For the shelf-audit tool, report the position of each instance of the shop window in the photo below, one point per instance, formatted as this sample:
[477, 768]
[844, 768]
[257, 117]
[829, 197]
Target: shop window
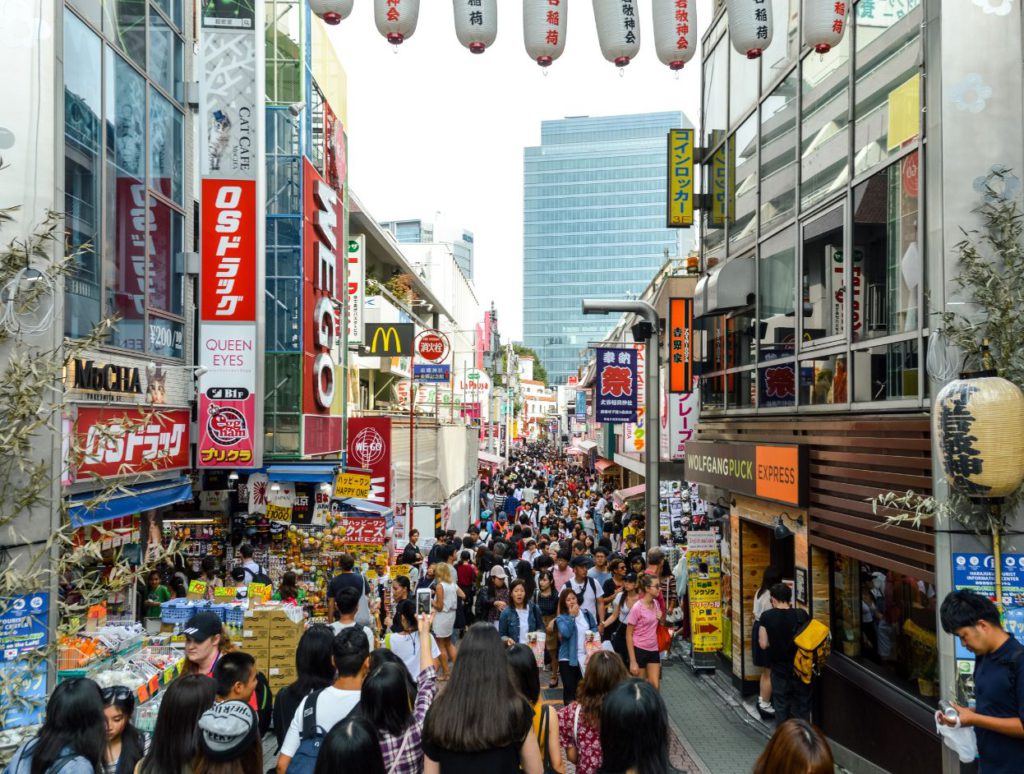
[776, 385]
[824, 381]
[166, 56]
[124, 23]
[778, 154]
[740, 343]
[785, 45]
[776, 278]
[740, 386]
[825, 99]
[742, 181]
[743, 84]
[712, 392]
[823, 303]
[82, 175]
[890, 372]
[887, 110]
[166, 153]
[715, 90]
[885, 621]
[172, 8]
[888, 265]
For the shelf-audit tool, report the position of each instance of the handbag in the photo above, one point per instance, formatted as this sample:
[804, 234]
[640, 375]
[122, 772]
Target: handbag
[664, 638]
[542, 740]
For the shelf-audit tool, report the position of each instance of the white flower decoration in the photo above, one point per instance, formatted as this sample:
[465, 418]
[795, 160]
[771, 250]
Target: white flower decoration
[997, 7]
[970, 94]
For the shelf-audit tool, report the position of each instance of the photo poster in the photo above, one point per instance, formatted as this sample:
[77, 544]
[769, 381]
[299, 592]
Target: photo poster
[673, 498]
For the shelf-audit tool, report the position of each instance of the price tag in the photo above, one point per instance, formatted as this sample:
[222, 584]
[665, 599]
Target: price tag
[168, 675]
[224, 592]
[399, 569]
[258, 592]
[279, 513]
[197, 589]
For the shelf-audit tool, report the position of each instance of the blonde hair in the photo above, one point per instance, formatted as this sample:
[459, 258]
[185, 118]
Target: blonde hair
[443, 572]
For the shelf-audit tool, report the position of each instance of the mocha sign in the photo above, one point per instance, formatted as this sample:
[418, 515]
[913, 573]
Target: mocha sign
[776, 473]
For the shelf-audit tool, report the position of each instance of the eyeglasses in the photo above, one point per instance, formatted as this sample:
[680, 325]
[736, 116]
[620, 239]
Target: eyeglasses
[115, 693]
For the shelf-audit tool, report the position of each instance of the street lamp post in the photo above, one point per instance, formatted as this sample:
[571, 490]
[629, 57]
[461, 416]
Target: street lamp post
[652, 415]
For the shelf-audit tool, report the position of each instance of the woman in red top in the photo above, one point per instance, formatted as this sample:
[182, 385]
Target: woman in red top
[465, 579]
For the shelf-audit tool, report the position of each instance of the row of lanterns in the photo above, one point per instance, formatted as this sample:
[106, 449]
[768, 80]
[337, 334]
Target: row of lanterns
[618, 25]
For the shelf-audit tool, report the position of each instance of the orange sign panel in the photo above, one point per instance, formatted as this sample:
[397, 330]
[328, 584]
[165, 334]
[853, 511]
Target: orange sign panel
[777, 473]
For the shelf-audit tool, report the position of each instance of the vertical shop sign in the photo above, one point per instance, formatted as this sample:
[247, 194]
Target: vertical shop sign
[680, 345]
[704, 563]
[23, 631]
[581, 405]
[635, 433]
[369, 448]
[616, 395]
[680, 178]
[683, 413]
[356, 287]
[719, 189]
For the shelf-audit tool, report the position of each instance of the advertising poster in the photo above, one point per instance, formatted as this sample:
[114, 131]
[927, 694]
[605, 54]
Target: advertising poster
[369, 448]
[706, 613]
[615, 395]
[23, 630]
[363, 531]
[635, 433]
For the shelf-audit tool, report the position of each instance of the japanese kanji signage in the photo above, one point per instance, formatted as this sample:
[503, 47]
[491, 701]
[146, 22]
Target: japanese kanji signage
[116, 442]
[706, 613]
[683, 411]
[680, 345]
[615, 397]
[352, 485]
[356, 289]
[680, 178]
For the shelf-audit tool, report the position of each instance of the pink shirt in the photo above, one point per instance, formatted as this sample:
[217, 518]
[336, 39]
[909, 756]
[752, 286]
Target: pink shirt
[645, 626]
[561, 577]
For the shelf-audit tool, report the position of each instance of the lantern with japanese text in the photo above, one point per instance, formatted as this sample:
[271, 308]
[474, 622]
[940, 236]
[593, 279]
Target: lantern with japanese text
[396, 19]
[331, 11]
[675, 31]
[618, 29]
[750, 26]
[824, 23]
[979, 426]
[476, 23]
[544, 29]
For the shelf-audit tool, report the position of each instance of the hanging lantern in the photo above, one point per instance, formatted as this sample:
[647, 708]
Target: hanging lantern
[618, 29]
[331, 11]
[396, 19]
[675, 31]
[824, 23]
[750, 26]
[476, 23]
[544, 29]
[979, 427]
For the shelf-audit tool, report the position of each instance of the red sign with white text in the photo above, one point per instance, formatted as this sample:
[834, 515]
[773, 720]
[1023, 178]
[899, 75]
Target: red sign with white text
[369, 448]
[122, 441]
[229, 269]
[363, 531]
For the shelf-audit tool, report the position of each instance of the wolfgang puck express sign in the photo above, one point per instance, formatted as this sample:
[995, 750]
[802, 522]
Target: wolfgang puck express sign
[770, 472]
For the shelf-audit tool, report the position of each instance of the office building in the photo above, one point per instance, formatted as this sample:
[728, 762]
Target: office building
[416, 232]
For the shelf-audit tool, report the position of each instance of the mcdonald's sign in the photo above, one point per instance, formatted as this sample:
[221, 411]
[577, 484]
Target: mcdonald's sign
[389, 339]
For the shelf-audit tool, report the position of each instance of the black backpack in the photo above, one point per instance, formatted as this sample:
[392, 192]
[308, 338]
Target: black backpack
[258, 577]
[312, 737]
[264, 702]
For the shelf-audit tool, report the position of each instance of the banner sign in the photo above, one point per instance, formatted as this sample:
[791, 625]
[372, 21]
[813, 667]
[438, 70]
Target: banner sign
[388, 339]
[369, 448]
[581, 405]
[680, 178]
[24, 630]
[634, 434]
[683, 414]
[352, 485]
[119, 442]
[356, 288]
[615, 396]
[363, 531]
[776, 473]
[680, 345]
[706, 613]
[428, 372]
[229, 271]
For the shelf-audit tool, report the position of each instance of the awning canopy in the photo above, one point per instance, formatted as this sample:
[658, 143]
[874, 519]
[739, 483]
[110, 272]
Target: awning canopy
[587, 445]
[728, 286]
[620, 496]
[602, 465]
[491, 459]
[144, 497]
[365, 506]
[308, 474]
[576, 451]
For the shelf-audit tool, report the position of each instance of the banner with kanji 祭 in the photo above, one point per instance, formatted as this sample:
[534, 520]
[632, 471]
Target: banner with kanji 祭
[615, 397]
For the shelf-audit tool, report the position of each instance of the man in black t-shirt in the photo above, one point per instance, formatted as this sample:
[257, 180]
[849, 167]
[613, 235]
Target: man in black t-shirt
[348, 579]
[790, 695]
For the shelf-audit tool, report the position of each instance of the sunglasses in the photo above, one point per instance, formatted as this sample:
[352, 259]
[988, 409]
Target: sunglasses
[115, 693]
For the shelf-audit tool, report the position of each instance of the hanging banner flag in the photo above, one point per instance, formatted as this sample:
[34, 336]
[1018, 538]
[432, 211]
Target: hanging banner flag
[615, 397]
[369, 448]
[680, 178]
[356, 288]
[683, 414]
[581, 405]
[634, 434]
[680, 344]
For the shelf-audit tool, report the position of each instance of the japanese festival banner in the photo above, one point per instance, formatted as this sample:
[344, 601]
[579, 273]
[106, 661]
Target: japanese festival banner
[369, 448]
[615, 396]
[680, 178]
[363, 531]
[116, 441]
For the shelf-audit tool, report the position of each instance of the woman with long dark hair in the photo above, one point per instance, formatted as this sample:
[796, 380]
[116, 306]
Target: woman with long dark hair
[521, 617]
[315, 669]
[545, 718]
[634, 730]
[547, 603]
[573, 624]
[176, 735]
[762, 604]
[73, 738]
[579, 723]
[481, 722]
[352, 745]
[795, 746]
[126, 745]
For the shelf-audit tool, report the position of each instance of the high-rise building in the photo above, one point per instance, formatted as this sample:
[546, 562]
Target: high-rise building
[593, 226]
[413, 232]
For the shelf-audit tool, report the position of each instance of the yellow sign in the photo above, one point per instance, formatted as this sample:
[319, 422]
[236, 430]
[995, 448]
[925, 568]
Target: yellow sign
[225, 592]
[281, 513]
[680, 178]
[719, 188]
[399, 569]
[352, 485]
[389, 339]
[706, 614]
[196, 589]
[904, 112]
[258, 593]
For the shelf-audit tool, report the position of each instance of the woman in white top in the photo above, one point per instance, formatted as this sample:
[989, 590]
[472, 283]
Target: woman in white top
[446, 600]
[762, 604]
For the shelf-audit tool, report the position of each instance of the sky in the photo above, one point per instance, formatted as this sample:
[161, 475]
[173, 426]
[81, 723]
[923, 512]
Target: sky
[435, 129]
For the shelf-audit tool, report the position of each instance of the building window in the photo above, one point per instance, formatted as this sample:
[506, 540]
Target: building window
[885, 621]
[740, 340]
[776, 278]
[776, 385]
[890, 372]
[283, 397]
[785, 45]
[742, 181]
[124, 23]
[823, 309]
[741, 389]
[778, 154]
[743, 84]
[715, 91]
[888, 265]
[166, 56]
[166, 147]
[824, 381]
[284, 51]
[825, 99]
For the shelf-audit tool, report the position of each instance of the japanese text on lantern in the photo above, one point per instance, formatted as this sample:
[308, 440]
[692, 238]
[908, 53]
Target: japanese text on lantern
[629, 20]
[553, 19]
[682, 24]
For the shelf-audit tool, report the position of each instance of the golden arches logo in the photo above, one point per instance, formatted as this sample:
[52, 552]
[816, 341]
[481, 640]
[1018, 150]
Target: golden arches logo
[388, 333]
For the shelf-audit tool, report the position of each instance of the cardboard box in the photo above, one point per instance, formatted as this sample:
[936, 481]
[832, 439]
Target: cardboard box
[247, 639]
[282, 652]
[281, 635]
[262, 656]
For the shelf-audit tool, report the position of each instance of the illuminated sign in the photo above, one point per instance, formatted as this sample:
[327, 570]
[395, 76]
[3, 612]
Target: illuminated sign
[776, 473]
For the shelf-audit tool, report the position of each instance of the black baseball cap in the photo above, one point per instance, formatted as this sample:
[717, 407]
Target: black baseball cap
[202, 626]
[583, 560]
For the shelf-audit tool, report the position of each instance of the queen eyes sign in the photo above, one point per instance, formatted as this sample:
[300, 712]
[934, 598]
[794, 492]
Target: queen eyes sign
[616, 394]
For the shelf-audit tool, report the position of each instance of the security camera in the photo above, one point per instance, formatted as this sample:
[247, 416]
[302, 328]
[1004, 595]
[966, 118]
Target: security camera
[200, 370]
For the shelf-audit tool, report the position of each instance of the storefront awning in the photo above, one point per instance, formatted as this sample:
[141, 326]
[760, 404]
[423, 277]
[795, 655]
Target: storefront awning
[307, 474]
[602, 466]
[135, 500]
[365, 506]
[728, 286]
[620, 496]
[491, 459]
[576, 451]
[587, 446]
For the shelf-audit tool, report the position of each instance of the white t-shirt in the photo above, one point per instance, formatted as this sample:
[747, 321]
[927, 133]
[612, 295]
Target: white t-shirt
[586, 594]
[333, 706]
[407, 647]
[524, 624]
[338, 626]
[582, 627]
[762, 604]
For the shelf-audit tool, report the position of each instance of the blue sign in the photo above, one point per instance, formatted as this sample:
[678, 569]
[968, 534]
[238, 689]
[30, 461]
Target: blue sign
[615, 398]
[581, 405]
[23, 630]
[976, 572]
[433, 374]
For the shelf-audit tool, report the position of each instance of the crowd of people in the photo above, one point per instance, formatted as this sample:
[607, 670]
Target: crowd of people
[552, 586]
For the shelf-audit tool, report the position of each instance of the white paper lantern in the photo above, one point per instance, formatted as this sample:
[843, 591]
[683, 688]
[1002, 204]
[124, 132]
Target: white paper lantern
[618, 29]
[544, 24]
[396, 19]
[331, 11]
[824, 23]
[750, 26]
[476, 23]
[675, 31]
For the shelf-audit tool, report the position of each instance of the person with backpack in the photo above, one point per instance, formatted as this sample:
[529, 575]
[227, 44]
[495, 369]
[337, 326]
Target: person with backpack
[321, 710]
[347, 577]
[790, 695]
[585, 587]
[73, 739]
[315, 670]
[254, 572]
[998, 714]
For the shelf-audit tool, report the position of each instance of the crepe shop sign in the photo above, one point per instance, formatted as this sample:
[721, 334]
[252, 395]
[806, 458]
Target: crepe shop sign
[118, 443]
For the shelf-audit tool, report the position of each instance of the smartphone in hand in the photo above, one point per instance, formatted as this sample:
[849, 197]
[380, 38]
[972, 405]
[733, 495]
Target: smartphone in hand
[423, 602]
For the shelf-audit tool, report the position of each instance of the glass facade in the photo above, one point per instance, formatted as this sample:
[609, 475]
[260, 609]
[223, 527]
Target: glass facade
[594, 226]
[831, 215]
[124, 186]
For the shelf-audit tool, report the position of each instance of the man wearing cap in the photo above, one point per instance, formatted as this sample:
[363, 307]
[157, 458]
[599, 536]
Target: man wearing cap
[229, 731]
[587, 590]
